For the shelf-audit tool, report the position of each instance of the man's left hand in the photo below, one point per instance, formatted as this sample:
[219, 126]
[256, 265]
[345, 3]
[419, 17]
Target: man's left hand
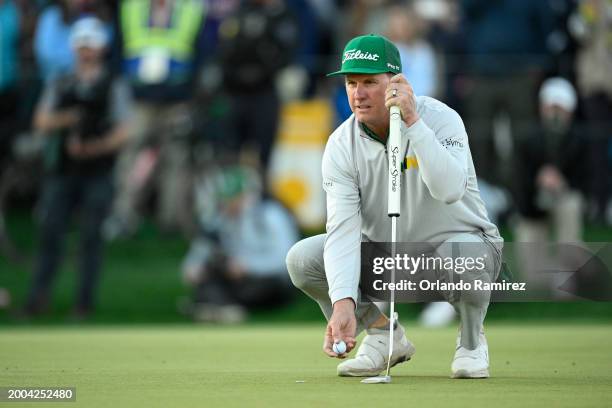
[400, 93]
[550, 178]
[77, 149]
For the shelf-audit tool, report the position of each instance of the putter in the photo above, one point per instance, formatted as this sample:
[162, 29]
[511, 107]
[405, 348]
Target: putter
[395, 171]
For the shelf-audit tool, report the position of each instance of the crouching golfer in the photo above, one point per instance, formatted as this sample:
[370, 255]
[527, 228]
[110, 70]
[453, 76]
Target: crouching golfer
[440, 202]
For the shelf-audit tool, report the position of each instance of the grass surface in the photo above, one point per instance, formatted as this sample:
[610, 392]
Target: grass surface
[206, 366]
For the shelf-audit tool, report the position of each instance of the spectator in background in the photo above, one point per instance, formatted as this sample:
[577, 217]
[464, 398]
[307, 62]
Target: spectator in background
[255, 44]
[217, 12]
[161, 58]
[51, 41]
[9, 68]
[28, 69]
[238, 259]
[52, 48]
[328, 15]
[506, 57]
[550, 169]
[84, 117]
[560, 42]
[306, 61]
[363, 16]
[404, 29]
[18, 92]
[447, 35]
[592, 27]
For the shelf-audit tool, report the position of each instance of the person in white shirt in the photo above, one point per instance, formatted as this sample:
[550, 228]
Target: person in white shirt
[440, 203]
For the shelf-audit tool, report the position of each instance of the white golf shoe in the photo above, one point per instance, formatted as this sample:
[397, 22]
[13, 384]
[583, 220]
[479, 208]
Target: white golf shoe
[471, 363]
[372, 355]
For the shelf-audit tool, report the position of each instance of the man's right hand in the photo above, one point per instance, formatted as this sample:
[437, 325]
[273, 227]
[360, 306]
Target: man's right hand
[46, 120]
[341, 326]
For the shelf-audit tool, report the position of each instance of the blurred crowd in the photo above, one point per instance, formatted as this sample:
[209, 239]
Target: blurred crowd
[172, 107]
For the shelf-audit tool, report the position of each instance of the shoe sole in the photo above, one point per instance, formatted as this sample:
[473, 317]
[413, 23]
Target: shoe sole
[369, 373]
[484, 373]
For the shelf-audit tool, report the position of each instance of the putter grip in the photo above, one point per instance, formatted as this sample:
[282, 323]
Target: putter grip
[394, 145]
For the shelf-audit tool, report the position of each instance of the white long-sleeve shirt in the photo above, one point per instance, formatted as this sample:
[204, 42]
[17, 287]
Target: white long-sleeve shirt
[440, 196]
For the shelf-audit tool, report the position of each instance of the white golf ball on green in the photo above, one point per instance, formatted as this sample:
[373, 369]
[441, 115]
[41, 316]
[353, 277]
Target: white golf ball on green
[339, 347]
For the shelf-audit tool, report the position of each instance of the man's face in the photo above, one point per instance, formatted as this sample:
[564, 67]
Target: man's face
[234, 206]
[555, 118]
[89, 54]
[366, 96]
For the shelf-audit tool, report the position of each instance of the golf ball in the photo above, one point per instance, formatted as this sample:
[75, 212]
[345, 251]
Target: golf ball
[339, 347]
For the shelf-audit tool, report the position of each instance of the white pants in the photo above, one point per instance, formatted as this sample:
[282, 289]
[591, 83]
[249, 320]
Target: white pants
[307, 271]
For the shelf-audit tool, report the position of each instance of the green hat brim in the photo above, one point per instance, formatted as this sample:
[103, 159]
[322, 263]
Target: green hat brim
[360, 70]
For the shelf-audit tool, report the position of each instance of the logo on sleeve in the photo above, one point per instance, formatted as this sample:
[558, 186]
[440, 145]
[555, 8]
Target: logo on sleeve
[452, 143]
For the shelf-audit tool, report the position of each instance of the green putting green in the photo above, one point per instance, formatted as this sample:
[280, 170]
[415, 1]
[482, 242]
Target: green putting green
[283, 366]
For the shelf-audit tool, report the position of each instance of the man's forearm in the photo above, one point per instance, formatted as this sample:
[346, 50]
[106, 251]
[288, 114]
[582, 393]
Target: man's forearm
[341, 256]
[50, 121]
[444, 174]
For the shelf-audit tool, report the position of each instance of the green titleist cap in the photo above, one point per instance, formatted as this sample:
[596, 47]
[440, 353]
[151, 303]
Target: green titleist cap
[369, 54]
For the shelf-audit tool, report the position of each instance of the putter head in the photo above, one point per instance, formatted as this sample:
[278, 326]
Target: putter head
[381, 379]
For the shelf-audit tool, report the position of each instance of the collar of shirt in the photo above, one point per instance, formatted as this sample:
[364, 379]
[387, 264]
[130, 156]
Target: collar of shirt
[371, 134]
